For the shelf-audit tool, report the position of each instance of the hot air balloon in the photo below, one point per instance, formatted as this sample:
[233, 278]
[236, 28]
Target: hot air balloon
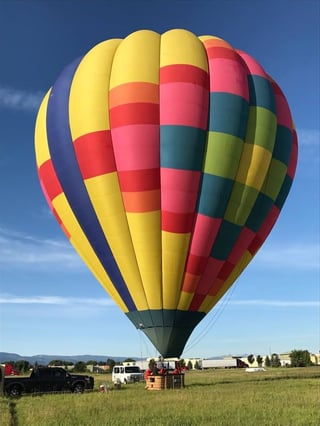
[166, 159]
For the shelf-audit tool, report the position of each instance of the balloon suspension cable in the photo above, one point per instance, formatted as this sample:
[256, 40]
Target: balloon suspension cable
[216, 314]
[144, 347]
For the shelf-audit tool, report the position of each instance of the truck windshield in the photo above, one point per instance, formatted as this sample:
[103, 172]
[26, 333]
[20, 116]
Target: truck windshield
[132, 369]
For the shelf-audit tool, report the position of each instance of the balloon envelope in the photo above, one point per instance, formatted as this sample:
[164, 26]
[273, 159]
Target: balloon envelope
[166, 159]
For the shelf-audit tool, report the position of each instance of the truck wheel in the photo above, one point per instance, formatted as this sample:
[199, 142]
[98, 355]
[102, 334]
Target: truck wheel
[14, 391]
[78, 388]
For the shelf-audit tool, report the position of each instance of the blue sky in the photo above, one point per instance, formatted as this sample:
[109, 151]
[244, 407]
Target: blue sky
[49, 302]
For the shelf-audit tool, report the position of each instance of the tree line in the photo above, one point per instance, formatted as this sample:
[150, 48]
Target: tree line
[298, 358]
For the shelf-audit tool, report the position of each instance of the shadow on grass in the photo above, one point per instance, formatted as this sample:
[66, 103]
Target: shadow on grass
[13, 414]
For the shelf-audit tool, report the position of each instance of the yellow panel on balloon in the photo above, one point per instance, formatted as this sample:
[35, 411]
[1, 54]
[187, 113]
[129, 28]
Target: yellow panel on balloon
[145, 232]
[137, 59]
[88, 102]
[106, 200]
[80, 243]
[253, 169]
[41, 140]
[185, 300]
[182, 47]
[174, 254]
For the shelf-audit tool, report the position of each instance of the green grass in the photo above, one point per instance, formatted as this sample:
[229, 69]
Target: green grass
[219, 397]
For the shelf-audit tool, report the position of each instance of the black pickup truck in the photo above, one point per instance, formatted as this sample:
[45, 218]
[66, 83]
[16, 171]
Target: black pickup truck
[47, 380]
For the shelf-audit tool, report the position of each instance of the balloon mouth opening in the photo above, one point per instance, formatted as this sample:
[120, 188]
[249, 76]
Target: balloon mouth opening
[167, 329]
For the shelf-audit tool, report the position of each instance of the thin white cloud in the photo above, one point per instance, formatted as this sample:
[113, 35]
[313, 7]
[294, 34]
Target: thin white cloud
[276, 303]
[23, 250]
[58, 300]
[309, 152]
[293, 256]
[7, 299]
[309, 137]
[17, 99]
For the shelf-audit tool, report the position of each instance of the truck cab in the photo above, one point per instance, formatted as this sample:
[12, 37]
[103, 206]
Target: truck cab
[126, 374]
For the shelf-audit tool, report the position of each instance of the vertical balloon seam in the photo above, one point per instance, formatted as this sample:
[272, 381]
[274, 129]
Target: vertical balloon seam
[179, 131]
[240, 234]
[145, 319]
[283, 186]
[135, 315]
[229, 279]
[166, 313]
[181, 303]
[132, 257]
[62, 154]
[289, 163]
[168, 317]
[214, 123]
[197, 316]
[92, 73]
[53, 191]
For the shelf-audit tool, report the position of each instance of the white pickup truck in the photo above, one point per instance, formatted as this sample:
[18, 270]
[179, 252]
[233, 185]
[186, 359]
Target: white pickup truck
[126, 374]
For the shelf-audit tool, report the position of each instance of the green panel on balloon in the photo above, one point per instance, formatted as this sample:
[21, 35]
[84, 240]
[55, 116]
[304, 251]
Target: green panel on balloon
[223, 155]
[261, 128]
[275, 178]
[240, 204]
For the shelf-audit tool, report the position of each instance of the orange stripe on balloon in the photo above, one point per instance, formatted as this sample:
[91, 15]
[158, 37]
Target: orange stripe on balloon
[135, 92]
[216, 42]
[190, 282]
[139, 202]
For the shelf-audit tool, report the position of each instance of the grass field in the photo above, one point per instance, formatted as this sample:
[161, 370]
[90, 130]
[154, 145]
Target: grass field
[213, 397]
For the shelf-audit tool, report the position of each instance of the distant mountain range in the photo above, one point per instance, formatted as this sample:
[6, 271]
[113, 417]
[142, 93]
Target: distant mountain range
[45, 359]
